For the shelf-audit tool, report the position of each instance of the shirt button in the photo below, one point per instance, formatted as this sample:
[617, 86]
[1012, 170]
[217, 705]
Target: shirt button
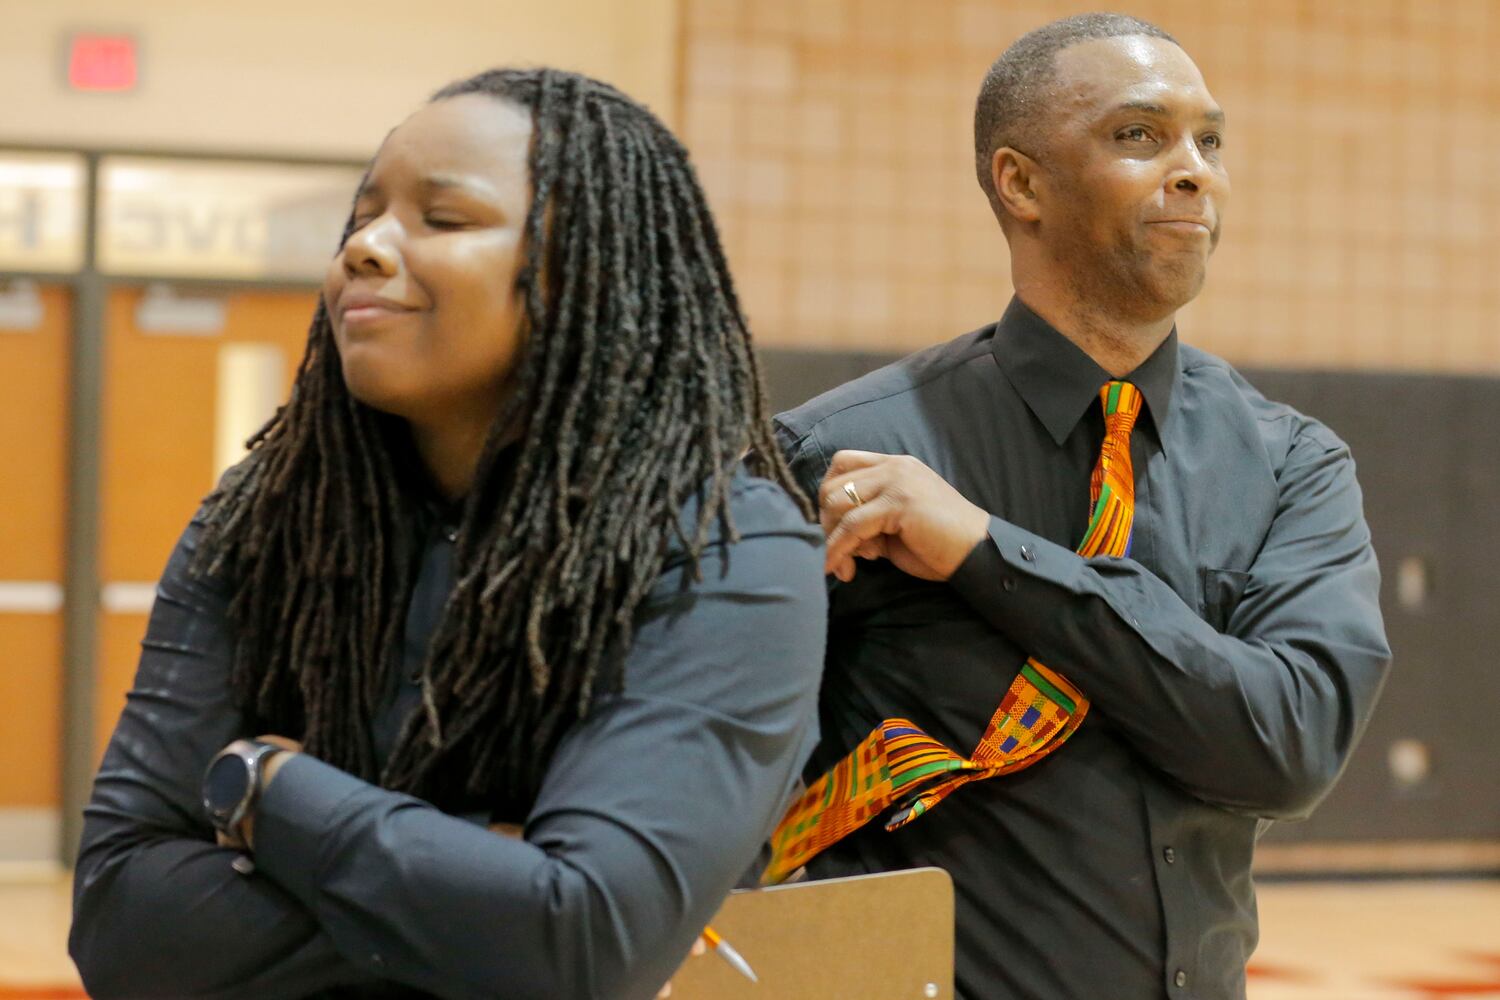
[1180, 979]
[1027, 553]
[1008, 584]
[1170, 855]
[451, 535]
[376, 958]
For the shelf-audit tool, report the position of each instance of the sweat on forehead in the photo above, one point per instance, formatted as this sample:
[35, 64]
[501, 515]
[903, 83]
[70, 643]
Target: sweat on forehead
[1148, 73]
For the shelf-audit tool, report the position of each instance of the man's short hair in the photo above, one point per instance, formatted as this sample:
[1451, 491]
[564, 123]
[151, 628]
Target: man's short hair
[1011, 99]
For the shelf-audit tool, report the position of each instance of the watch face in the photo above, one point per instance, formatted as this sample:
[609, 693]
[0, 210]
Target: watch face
[225, 785]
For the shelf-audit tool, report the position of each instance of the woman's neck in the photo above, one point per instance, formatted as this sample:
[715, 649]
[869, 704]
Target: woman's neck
[449, 451]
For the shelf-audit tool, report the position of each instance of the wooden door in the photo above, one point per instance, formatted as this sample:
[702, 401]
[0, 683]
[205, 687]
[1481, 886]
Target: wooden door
[158, 462]
[33, 504]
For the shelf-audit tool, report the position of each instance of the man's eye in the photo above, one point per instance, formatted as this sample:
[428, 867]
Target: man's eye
[446, 222]
[1213, 140]
[1136, 133]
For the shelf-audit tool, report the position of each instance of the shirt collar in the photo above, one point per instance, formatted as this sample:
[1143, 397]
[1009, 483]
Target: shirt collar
[1059, 382]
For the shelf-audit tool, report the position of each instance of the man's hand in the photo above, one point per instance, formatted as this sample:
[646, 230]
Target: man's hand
[271, 766]
[905, 513]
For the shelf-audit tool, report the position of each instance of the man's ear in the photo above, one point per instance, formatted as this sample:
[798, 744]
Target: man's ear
[1014, 175]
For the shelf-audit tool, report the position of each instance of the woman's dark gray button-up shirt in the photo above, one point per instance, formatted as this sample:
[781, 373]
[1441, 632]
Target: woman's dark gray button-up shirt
[652, 807]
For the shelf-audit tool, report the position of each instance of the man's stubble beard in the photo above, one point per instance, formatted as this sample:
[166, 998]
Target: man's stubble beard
[1129, 282]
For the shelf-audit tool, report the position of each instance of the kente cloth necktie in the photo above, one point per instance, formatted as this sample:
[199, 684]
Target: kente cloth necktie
[900, 764]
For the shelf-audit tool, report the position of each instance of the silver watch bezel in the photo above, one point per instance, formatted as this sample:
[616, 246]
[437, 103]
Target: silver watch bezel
[253, 754]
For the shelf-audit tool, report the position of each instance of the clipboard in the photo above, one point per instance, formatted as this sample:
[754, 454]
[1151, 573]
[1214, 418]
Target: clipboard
[869, 937]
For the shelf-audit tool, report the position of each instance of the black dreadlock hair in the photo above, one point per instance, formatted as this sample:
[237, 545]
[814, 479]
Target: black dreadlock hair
[637, 389]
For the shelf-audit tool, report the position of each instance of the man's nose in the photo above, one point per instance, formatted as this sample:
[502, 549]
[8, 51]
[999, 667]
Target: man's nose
[1190, 169]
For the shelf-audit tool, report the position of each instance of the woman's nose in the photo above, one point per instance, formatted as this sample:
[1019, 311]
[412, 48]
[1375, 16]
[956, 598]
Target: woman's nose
[373, 248]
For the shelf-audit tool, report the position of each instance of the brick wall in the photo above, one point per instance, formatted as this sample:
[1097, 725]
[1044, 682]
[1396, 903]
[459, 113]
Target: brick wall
[835, 139]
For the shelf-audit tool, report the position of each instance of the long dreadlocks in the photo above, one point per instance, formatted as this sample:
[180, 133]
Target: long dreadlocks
[637, 389]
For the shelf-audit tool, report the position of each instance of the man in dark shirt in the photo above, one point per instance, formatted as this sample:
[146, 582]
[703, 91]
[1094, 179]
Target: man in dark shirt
[1232, 658]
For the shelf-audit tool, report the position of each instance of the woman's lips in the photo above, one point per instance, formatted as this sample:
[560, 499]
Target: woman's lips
[356, 315]
[362, 308]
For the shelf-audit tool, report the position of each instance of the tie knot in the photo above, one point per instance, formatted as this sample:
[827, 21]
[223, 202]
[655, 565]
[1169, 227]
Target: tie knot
[1122, 404]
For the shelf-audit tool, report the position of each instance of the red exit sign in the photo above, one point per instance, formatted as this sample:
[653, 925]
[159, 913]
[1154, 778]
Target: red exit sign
[98, 62]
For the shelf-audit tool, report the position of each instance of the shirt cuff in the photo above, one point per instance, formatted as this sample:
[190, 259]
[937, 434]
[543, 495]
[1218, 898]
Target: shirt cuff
[1000, 577]
[294, 820]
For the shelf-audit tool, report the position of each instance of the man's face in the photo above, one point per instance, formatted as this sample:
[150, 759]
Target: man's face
[1132, 190]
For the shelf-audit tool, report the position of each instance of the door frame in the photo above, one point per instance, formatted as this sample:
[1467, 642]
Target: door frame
[81, 583]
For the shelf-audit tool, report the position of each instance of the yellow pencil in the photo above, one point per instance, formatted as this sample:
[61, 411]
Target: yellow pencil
[726, 951]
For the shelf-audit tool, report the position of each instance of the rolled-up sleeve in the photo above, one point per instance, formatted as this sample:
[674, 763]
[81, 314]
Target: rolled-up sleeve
[652, 806]
[1259, 718]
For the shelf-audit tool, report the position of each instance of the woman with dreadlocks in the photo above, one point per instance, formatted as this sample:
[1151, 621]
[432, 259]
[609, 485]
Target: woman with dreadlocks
[519, 550]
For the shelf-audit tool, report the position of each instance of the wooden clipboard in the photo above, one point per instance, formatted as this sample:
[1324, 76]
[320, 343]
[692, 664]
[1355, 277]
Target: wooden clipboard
[870, 937]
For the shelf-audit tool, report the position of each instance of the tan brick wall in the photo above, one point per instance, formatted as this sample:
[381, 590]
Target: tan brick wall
[835, 139]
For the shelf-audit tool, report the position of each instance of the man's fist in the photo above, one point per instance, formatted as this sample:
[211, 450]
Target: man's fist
[894, 507]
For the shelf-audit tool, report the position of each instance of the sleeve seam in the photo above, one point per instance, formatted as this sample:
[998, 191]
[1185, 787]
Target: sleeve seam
[823, 460]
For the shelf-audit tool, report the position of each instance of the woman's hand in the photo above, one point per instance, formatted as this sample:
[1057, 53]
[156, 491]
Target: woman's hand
[700, 947]
[271, 766]
[517, 832]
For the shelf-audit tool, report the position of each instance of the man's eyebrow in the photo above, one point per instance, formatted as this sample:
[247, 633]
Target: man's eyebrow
[1215, 115]
[1145, 107]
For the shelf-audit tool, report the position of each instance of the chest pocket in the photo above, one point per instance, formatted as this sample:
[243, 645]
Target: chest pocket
[1220, 593]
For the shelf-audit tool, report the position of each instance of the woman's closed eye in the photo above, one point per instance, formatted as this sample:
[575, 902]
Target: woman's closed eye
[446, 220]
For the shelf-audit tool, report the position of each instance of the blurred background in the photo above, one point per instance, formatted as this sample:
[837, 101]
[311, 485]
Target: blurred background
[174, 173]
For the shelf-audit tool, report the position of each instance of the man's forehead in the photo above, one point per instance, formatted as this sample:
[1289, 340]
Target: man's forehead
[1130, 69]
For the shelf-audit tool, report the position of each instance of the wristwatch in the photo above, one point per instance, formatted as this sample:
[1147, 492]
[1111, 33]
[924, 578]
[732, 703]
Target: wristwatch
[232, 783]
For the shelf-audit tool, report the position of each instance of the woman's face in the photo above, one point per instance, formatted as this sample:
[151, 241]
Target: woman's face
[422, 295]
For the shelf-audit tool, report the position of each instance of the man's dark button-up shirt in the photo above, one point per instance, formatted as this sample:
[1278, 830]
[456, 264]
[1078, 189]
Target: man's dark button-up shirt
[1232, 659]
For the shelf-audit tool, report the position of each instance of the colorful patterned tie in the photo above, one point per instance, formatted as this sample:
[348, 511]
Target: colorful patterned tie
[900, 764]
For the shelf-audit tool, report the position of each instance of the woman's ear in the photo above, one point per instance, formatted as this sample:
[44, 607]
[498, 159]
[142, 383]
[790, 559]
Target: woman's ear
[1014, 175]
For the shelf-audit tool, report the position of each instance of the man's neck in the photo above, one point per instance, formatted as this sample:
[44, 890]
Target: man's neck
[1117, 345]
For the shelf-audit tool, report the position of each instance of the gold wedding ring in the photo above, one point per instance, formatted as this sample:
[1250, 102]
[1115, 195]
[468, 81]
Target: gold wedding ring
[852, 494]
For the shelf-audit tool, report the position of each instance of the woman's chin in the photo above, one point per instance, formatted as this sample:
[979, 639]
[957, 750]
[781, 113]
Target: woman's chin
[377, 387]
